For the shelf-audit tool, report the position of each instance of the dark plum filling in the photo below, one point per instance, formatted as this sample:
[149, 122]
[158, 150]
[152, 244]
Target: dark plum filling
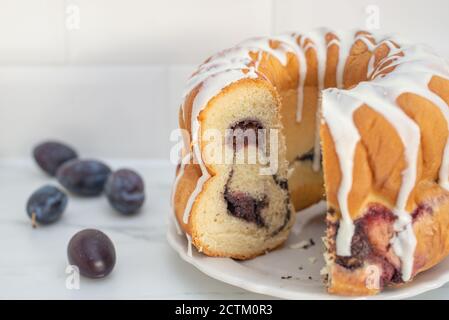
[421, 210]
[241, 204]
[360, 250]
[244, 206]
[244, 133]
[370, 243]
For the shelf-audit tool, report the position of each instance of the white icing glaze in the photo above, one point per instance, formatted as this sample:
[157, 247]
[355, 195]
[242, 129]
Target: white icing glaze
[345, 136]
[182, 164]
[177, 226]
[263, 44]
[189, 245]
[235, 58]
[316, 164]
[319, 44]
[292, 41]
[444, 170]
[178, 177]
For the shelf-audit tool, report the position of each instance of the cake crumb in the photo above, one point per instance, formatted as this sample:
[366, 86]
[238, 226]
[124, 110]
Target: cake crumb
[312, 260]
[305, 244]
[286, 277]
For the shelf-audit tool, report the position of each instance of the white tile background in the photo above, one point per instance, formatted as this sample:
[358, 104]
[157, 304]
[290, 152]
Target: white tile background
[107, 75]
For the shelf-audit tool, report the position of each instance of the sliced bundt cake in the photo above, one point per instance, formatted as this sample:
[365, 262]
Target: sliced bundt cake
[376, 107]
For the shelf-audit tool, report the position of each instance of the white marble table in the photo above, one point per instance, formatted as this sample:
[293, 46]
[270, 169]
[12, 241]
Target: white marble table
[33, 261]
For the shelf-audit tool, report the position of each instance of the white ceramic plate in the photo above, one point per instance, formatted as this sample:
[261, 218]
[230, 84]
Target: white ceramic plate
[292, 273]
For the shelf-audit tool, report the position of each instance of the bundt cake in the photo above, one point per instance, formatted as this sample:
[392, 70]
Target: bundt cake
[359, 119]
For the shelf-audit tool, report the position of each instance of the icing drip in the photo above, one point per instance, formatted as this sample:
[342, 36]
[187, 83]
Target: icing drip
[183, 162]
[292, 41]
[316, 164]
[444, 171]
[263, 44]
[177, 226]
[189, 245]
[346, 137]
[319, 44]
[232, 59]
